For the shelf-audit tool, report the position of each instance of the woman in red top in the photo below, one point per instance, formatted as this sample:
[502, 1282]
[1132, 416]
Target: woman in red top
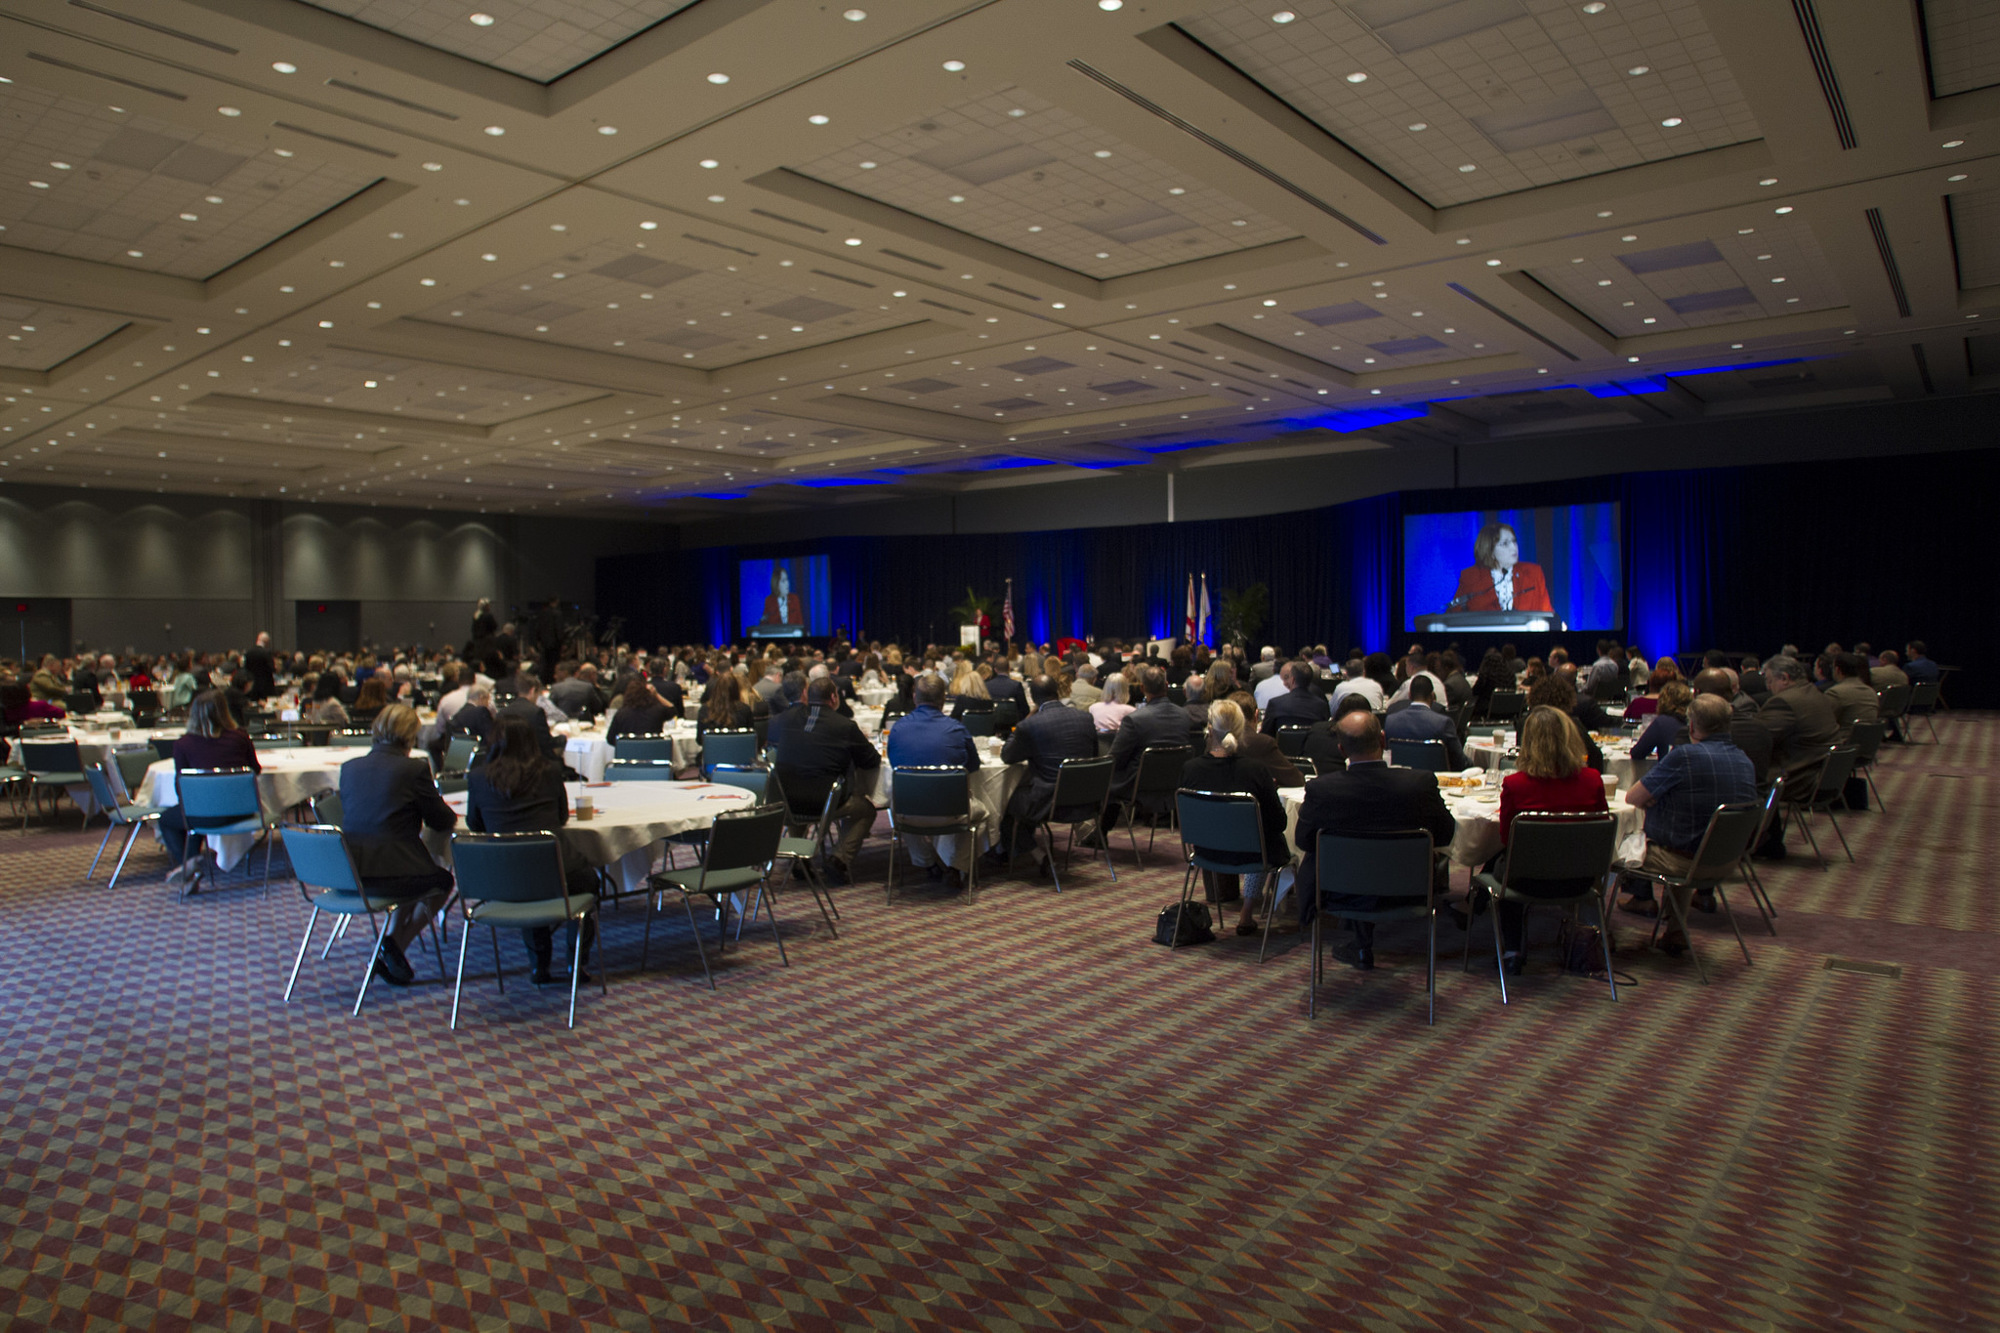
[1551, 774]
[1499, 580]
[1649, 702]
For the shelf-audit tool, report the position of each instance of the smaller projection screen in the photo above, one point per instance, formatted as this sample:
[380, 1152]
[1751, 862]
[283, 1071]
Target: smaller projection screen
[786, 599]
[1533, 570]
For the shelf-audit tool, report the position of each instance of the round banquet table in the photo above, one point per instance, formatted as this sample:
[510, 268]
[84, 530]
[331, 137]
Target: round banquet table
[630, 820]
[992, 784]
[1476, 839]
[94, 744]
[588, 752]
[286, 778]
[1618, 761]
[875, 695]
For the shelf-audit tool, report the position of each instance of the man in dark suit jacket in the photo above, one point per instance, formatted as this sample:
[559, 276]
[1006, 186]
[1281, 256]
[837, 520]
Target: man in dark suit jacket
[1158, 721]
[1418, 718]
[1052, 733]
[527, 705]
[1801, 726]
[387, 799]
[1298, 705]
[474, 718]
[816, 746]
[1366, 797]
[262, 666]
[1003, 686]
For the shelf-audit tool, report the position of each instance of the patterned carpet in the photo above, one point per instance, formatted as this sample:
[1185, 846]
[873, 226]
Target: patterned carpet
[1020, 1114]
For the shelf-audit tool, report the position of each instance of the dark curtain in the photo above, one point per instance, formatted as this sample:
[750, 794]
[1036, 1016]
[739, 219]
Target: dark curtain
[1736, 558]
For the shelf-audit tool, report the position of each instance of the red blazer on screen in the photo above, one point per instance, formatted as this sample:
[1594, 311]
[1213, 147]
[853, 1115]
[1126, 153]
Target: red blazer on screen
[795, 607]
[1475, 590]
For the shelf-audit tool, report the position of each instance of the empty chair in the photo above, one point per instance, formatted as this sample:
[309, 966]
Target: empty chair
[1828, 789]
[1506, 706]
[516, 881]
[459, 752]
[639, 770]
[1006, 716]
[753, 778]
[643, 747]
[1725, 844]
[1553, 860]
[218, 803]
[1292, 739]
[1153, 788]
[1083, 788]
[979, 722]
[1866, 738]
[120, 814]
[321, 860]
[729, 745]
[1395, 865]
[742, 845]
[1923, 703]
[1427, 755]
[1891, 705]
[131, 765]
[930, 802]
[52, 766]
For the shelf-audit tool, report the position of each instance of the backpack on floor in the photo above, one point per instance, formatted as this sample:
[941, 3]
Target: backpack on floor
[1176, 927]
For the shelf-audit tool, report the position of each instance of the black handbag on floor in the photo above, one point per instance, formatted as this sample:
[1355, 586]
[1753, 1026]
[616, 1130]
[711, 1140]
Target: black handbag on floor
[1176, 927]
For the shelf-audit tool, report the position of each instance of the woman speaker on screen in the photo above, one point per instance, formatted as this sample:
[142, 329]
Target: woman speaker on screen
[783, 608]
[1499, 580]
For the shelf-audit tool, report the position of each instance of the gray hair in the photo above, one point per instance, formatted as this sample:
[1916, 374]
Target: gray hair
[1788, 667]
[479, 694]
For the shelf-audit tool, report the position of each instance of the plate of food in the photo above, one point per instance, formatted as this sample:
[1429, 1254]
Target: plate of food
[1458, 783]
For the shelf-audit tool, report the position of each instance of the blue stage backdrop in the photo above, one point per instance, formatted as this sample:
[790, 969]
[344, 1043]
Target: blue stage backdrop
[1734, 558]
[1570, 552]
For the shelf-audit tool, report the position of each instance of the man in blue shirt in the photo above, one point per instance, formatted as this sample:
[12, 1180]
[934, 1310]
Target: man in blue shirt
[926, 738]
[1679, 795]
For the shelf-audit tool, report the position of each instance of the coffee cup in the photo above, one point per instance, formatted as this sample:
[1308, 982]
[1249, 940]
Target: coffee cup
[586, 807]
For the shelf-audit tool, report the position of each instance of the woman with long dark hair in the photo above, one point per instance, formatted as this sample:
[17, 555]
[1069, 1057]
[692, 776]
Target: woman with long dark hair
[520, 790]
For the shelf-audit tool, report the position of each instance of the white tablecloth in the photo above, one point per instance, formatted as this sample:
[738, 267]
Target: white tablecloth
[1618, 761]
[1477, 839]
[588, 752]
[875, 695]
[992, 784]
[630, 821]
[287, 778]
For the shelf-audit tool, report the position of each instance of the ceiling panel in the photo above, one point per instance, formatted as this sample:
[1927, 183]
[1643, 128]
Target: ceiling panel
[80, 179]
[1776, 268]
[41, 337]
[537, 39]
[1017, 171]
[1962, 40]
[612, 297]
[366, 382]
[1467, 99]
[1975, 234]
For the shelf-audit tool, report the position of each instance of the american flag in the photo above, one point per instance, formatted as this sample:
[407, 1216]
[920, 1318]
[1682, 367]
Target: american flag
[1007, 613]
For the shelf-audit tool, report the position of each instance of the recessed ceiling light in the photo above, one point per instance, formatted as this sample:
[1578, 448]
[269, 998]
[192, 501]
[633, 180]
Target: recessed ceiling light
[853, 240]
[433, 166]
[496, 130]
[1628, 238]
[1468, 167]
[1493, 263]
[1270, 303]
[1594, 7]
[427, 282]
[284, 67]
[715, 199]
[1357, 77]
[1671, 121]
[1768, 180]
[1420, 126]
[1959, 177]
[1777, 280]
[39, 185]
[854, 15]
[1954, 143]
[868, 166]
[1604, 282]
[648, 226]
[954, 66]
[1746, 231]
[1637, 70]
[1786, 209]
[489, 257]
[480, 20]
[1736, 347]
[1110, 6]
[229, 110]
[1463, 240]
[190, 217]
[1176, 190]
[136, 254]
[710, 163]
[957, 198]
[607, 129]
[1102, 152]
[326, 323]
[1017, 113]
[1283, 16]
[718, 78]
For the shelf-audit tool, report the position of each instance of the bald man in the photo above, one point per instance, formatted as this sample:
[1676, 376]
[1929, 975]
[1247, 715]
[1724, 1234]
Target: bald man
[1367, 797]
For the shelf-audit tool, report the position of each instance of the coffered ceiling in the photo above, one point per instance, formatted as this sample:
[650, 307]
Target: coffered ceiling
[729, 256]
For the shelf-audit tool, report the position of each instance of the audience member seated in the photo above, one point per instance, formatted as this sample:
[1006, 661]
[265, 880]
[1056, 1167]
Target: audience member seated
[1494, 674]
[578, 695]
[1366, 797]
[368, 704]
[1052, 733]
[1801, 725]
[818, 748]
[1223, 767]
[1354, 682]
[641, 711]
[1157, 721]
[1411, 667]
[969, 694]
[926, 738]
[1457, 689]
[1218, 682]
[529, 705]
[1550, 774]
[326, 709]
[1271, 686]
[517, 790]
[474, 719]
[21, 706]
[1669, 720]
[1323, 741]
[1679, 796]
[724, 706]
[1649, 702]
[1112, 708]
[387, 799]
[1558, 693]
[1852, 696]
[1888, 674]
[1743, 731]
[212, 740]
[1295, 704]
[1418, 718]
[1917, 664]
[1256, 747]
[1084, 691]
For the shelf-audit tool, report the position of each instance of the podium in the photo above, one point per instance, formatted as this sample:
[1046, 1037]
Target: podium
[1476, 622]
